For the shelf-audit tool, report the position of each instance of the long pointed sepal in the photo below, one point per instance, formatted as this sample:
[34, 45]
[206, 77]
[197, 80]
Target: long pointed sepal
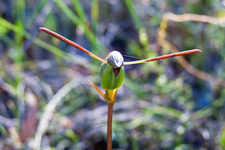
[163, 57]
[109, 100]
[72, 43]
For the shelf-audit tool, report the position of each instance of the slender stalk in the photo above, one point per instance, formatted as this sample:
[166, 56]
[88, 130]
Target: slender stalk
[109, 126]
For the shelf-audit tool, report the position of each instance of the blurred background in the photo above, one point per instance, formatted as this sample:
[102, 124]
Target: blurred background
[46, 101]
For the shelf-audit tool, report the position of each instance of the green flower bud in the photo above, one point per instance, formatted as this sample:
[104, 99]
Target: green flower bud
[108, 78]
[112, 74]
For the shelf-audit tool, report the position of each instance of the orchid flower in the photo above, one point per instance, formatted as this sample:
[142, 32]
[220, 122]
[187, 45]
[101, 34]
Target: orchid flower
[112, 68]
[112, 74]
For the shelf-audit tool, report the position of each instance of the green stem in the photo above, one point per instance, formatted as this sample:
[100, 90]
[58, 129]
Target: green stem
[109, 126]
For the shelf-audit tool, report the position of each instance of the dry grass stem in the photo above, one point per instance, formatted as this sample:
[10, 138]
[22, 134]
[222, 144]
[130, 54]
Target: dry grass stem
[49, 110]
[184, 63]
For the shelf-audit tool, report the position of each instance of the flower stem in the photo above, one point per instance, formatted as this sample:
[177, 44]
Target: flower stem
[109, 126]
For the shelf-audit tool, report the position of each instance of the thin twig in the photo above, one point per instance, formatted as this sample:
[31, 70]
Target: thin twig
[167, 45]
[194, 17]
[189, 68]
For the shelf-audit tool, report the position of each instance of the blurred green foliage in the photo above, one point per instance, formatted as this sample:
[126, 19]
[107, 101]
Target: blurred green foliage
[160, 105]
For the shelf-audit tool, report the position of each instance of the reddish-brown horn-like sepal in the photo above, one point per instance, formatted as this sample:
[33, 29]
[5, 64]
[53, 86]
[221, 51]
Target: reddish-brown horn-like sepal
[163, 57]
